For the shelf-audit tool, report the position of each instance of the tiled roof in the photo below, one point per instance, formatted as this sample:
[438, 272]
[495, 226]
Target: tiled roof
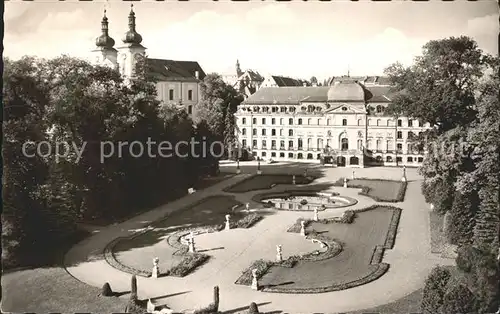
[282, 81]
[171, 70]
[293, 95]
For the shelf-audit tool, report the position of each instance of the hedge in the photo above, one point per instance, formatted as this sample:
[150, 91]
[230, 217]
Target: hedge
[366, 190]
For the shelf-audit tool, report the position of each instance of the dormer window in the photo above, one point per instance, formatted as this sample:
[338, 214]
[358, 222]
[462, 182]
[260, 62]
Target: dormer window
[344, 108]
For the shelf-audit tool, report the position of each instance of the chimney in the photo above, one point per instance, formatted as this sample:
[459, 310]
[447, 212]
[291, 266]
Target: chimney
[197, 75]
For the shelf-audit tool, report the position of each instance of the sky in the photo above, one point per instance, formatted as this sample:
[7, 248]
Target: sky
[297, 39]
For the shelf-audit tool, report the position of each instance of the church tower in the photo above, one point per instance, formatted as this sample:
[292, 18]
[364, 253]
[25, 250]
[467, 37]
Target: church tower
[238, 69]
[132, 48]
[104, 53]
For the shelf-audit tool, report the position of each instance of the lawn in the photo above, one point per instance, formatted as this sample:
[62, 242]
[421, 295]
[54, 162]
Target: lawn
[138, 252]
[53, 290]
[379, 190]
[438, 239]
[409, 304]
[266, 181]
[369, 229]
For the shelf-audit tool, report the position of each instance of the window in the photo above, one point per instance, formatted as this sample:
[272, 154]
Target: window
[283, 109]
[171, 94]
[379, 122]
[410, 148]
[399, 159]
[417, 123]
[309, 121]
[273, 121]
[409, 159]
[244, 121]
[243, 131]
[190, 109]
[389, 122]
[309, 143]
[282, 155]
[344, 108]
[344, 144]
[290, 132]
[281, 132]
[264, 132]
[263, 121]
[273, 154]
[254, 143]
[290, 121]
[273, 132]
[400, 135]
[410, 123]
[254, 132]
[290, 155]
[281, 121]
[273, 144]
[360, 144]
[388, 159]
[399, 146]
[420, 159]
[254, 120]
[263, 154]
[389, 145]
[300, 121]
[264, 144]
[400, 122]
[300, 143]
[190, 94]
[344, 121]
[328, 121]
[360, 122]
[282, 144]
[244, 143]
[379, 109]
[379, 145]
[290, 144]
[369, 122]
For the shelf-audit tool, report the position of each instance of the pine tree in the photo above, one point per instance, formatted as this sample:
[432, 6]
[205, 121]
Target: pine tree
[487, 220]
[434, 290]
[133, 288]
[229, 132]
[253, 309]
[461, 223]
[458, 299]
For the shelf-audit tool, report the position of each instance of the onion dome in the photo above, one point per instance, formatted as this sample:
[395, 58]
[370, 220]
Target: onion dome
[132, 37]
[104, 41]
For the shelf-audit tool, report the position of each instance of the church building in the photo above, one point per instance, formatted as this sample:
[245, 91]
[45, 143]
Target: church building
[177, 82]
[343, 124]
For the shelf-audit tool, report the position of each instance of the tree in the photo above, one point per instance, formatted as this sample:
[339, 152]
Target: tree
[463, 212]
[434, 290]
[458, 299]
[253, 309]
[313, 80]
[439, 87]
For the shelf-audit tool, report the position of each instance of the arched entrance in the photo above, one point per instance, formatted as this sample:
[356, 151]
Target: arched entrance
[354, 161]
[341, 161]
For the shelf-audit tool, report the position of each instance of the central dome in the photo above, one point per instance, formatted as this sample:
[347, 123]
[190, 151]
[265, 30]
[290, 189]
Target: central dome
[348, 90]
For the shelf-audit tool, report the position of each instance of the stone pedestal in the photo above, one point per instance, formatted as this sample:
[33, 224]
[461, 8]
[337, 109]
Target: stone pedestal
[315, 218]
[150, 307]
[228, 226]
[259, 171]
[255, 283]
[302, 228]
[403, 179]
[345, 182]
[279, 253]
[238, 171]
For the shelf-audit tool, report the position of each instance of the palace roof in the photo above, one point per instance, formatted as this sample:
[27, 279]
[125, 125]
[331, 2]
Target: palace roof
[172, 70]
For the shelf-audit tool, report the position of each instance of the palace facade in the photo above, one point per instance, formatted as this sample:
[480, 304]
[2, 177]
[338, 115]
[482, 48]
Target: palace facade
[344, 124]
[177, 82]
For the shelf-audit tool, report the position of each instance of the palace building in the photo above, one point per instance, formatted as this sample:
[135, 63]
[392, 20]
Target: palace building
[178, 82]
[344, 124]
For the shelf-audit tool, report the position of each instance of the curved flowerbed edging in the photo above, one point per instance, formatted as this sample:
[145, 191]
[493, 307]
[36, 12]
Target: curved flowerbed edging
[299, 180]
[365, 190]
[261, 198]
[380, 270]
[333, 249]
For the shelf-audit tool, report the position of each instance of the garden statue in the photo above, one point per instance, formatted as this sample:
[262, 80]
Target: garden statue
[192, 248]
[227, 222]
[255, 283]
[247, 205]
[258, 166]
[156, 270]
[238, 170]
[353, 174]
[293, 179]
[315, 214]
[302, 228]
[150, 307]
[403, 179]
[279, 253]
[345, 182]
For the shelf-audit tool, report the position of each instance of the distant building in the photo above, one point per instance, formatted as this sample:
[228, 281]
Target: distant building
[249, 81]
[344, 124]
[178, 82]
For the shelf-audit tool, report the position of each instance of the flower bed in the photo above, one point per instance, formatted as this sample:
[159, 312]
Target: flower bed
[263, 182]
[378, 194]
[189, 263]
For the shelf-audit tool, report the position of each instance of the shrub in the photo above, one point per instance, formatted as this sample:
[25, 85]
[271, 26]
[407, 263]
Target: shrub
[135, 307]
[303, 202]
[461, 222]
[485, 278]
[348, 217]
[434, 290]
[253, 309]
[188, 264]
[133, 288]
[106, 290]
[459, 299]
[216, 298]
[466, 256]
